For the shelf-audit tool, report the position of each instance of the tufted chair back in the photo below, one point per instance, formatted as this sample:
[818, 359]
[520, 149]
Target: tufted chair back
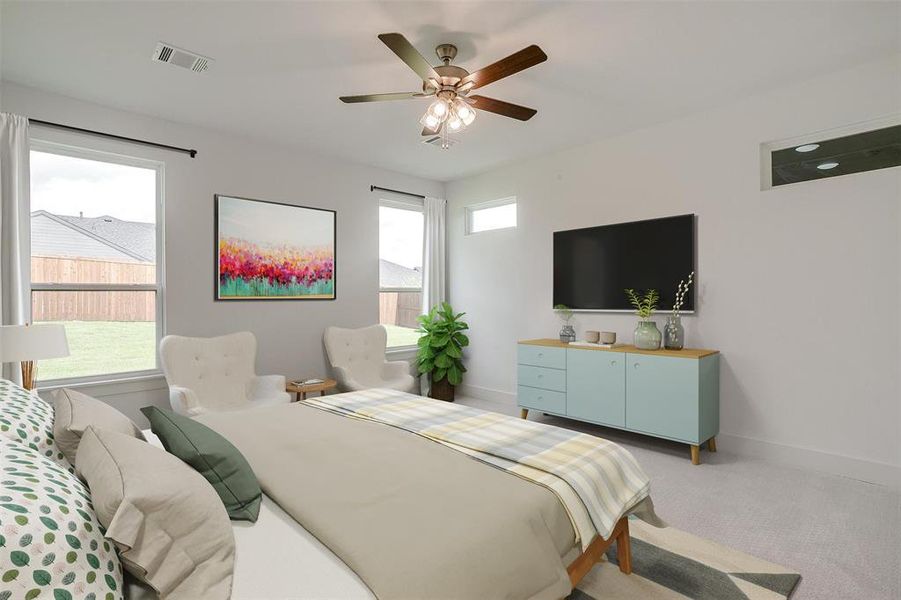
[359, 352]
[219, 370]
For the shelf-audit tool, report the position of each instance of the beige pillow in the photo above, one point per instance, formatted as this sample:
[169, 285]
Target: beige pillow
[169, 525]
[74, 412]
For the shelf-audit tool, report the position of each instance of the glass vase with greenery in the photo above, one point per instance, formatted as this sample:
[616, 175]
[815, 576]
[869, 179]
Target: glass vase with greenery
[567, 334]
[646, 335]
[440, 354]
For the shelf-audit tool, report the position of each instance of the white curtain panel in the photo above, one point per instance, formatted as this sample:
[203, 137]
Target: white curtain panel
[434, 253]
[15, 226]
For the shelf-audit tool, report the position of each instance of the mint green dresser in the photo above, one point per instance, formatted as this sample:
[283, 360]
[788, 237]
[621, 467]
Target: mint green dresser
[672, 394]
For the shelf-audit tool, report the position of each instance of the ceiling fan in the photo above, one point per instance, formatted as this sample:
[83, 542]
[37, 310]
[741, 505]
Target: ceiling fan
[452, 110]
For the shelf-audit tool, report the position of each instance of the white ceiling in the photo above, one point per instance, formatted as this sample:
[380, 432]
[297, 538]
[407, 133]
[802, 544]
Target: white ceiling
[612, 66]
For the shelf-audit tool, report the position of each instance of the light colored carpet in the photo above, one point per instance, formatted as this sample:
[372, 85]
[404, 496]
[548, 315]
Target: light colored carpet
[843, 536]
[668, 564]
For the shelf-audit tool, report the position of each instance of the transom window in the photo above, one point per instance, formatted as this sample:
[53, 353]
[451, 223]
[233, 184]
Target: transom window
[95, 264]
[400, 270]
[487, 216]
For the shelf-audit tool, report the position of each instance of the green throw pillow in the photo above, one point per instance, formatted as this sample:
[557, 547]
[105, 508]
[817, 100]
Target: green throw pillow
[212, 456]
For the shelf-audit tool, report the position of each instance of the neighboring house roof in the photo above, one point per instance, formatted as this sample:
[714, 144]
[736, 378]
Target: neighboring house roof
[393, 275]
[92, 237]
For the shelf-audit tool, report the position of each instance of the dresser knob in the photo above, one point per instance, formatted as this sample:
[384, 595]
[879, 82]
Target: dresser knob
[540, 376]
[612, 363]
[635, 365]
[540, 355]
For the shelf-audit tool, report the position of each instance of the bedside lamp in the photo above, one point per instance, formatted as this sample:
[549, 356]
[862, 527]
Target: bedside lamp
[28, 343]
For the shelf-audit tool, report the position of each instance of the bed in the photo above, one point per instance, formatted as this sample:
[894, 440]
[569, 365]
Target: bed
[422, 499]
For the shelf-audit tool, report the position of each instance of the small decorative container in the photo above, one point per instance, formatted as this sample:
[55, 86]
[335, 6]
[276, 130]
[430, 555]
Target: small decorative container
[673, 334]
[567, 334]
[647, 336]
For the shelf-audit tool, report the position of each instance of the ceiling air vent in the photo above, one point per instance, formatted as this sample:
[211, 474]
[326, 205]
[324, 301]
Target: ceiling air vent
[168, 53]
[435, 140]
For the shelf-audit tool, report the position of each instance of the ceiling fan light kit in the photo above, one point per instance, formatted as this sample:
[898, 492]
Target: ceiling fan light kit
[453, 109]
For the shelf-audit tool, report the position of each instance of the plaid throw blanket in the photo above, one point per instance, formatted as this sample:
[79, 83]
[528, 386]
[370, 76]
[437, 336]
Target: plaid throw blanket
[597, 481]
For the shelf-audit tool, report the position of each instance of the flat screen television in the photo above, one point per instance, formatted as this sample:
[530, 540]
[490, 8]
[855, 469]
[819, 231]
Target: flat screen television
[593, 266]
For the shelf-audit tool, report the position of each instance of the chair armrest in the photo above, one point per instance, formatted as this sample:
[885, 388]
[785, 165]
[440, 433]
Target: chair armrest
[346, 383]
[395, 369]
[269, 388]
[265, 386]
[184, 401]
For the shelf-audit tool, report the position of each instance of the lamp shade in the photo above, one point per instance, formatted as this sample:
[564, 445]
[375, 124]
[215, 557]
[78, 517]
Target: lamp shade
[32, 342]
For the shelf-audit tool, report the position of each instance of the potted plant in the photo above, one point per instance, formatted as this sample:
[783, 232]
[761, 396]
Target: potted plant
[567, 334]
[440, 353]
[646, 335]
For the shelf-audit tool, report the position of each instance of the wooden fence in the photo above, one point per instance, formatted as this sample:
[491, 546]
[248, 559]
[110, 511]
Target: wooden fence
[91, 305]
[400, 308]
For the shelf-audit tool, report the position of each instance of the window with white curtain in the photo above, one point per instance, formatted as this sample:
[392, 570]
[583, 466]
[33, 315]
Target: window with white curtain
[95, 252]
[488, 216]
[401, 228]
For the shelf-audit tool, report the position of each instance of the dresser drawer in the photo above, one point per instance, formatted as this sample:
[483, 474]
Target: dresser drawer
[541, 377]
[545, 400]
[542, 356]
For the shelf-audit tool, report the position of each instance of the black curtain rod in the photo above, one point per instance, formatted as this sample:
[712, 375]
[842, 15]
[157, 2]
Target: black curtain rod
[372, 188]
[192, 153]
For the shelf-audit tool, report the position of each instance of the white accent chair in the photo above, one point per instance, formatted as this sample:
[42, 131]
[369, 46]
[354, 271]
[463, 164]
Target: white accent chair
[357, 357]
[217, 374]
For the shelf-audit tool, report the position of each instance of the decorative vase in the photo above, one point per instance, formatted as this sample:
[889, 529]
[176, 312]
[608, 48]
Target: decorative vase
[647, 336]
[673, 334]
[567, 334]
[441, 390]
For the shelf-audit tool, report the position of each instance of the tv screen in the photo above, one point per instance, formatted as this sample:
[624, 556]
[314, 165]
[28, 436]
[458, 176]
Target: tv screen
[593, 266]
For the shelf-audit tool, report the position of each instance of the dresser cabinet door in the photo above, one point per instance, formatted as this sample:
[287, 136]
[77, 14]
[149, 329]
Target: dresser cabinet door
[662, 396]
[596, 386]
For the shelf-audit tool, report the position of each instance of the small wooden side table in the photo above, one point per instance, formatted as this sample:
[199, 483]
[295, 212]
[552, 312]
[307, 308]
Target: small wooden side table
[300, 391]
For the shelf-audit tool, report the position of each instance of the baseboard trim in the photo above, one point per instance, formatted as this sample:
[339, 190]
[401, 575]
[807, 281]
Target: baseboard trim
[804, 458]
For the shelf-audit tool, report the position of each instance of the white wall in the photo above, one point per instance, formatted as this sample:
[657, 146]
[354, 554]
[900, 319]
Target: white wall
[289, 332]
[798, 286]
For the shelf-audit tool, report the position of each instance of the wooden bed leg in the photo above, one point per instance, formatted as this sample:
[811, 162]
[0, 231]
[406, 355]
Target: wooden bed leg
[695, 455]
[580, 567]
[711, 445]
[523, 413]
[624, 549]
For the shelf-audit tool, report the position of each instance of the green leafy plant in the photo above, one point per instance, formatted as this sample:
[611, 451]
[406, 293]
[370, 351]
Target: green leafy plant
[564, 312]
[644, 305]
[441, 345]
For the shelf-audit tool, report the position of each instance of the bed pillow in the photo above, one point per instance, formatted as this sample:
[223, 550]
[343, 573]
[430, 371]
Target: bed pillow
[75, 412]
[27, 419]
[169, 525]
[51, 542]
[212, 456]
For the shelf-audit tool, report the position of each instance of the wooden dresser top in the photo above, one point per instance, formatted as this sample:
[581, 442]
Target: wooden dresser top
[684, 353]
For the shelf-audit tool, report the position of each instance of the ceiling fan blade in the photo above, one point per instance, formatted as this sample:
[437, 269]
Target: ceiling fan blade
[381, 97]
[525, 58]
[514, 111]
[426, 131]
[407, 53]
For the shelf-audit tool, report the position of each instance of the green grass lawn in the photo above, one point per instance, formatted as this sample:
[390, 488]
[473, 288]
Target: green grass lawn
[401, 336]
[101, 347]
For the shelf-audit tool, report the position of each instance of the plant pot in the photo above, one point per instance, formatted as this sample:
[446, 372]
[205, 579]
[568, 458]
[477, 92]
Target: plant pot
[647, 336]
[441, 390]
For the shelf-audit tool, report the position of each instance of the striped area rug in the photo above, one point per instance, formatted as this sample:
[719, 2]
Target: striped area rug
[669, 564]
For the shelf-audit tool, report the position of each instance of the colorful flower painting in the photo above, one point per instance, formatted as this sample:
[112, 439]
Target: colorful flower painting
[271, 251]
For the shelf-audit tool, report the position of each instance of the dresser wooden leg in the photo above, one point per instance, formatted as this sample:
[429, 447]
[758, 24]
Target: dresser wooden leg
[695, 455]
[711, 444]
[523, 413]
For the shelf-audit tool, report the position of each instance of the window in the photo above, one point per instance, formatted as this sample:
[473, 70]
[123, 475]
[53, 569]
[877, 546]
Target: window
[400, 270]
[95, 264]
[854, 149]
[498, 214]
